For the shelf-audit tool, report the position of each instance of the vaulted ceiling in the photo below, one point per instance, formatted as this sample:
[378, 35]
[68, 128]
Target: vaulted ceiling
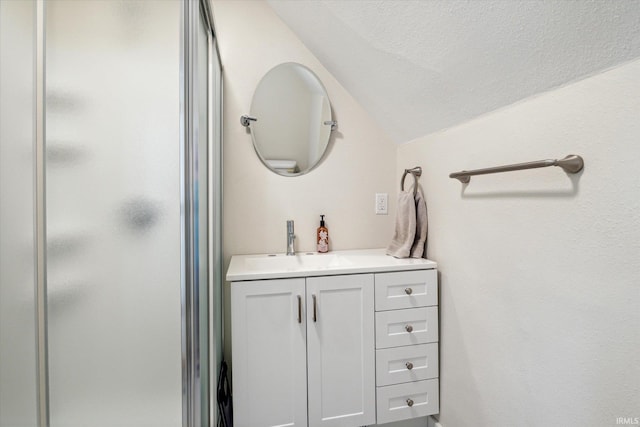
[422, 66]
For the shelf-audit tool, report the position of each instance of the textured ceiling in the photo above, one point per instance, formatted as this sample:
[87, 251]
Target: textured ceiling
[421, 66]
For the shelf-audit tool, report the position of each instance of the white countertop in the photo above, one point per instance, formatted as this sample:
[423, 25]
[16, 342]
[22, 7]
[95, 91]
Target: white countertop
[308, 264]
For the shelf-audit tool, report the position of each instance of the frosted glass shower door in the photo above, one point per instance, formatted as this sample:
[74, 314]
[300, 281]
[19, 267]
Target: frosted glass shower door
[18, 383]
[113, 213]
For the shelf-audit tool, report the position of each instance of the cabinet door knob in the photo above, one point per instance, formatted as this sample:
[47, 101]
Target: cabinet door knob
[409, 403]
[409, 365]
[409, 328]
[408, 291]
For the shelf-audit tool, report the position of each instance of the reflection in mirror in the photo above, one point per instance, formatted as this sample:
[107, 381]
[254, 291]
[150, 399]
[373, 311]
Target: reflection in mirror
[293, 119]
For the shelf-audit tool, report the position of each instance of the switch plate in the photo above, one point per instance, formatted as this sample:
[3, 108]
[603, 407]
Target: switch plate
[381, 203]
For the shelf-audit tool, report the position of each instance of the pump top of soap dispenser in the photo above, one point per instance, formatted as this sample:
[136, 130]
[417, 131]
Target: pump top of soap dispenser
[321, 220]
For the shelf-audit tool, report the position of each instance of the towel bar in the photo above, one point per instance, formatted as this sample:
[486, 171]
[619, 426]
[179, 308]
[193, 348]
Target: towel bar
[570, 164]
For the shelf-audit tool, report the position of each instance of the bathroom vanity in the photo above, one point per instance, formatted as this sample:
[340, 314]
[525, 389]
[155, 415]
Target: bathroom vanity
[348, 338]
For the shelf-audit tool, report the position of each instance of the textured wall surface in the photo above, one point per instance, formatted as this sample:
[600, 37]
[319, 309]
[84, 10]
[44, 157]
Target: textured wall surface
[540, 271]
[421, 66]
[258, 202]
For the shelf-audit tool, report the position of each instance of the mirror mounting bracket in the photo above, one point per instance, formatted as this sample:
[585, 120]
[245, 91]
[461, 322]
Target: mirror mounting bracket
[332, 123]
[246, 120]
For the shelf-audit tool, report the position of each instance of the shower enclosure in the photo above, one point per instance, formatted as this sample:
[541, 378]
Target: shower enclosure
[110, 213]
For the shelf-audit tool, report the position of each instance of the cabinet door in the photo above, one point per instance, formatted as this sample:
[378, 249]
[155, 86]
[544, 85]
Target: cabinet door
[269, 353]
[341, 355]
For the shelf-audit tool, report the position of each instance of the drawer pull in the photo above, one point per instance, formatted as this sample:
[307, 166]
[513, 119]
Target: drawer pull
[409, 365]
[299, 309]
[409, 403]
[408, 291]
[409, 328]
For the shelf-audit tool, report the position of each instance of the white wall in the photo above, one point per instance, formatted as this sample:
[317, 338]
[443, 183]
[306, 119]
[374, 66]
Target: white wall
[258, 202]
[540, 271]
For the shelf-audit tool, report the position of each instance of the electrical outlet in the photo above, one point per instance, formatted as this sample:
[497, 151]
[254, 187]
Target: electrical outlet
[381, 203]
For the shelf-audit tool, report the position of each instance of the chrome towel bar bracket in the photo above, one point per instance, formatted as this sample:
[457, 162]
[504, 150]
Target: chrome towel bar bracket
[570, 164]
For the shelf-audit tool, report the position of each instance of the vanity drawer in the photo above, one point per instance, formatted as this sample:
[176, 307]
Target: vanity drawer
[409, 400]
[404, 364]
[406, 289]
[397, 328]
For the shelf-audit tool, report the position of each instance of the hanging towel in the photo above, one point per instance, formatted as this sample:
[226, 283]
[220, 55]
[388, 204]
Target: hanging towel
[418, 249]
[405, 233]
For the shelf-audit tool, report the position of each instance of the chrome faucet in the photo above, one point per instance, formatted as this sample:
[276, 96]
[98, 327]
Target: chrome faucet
[290, 238]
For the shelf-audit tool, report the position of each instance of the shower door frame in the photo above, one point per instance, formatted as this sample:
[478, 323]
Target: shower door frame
[193, 382]
[42, 368]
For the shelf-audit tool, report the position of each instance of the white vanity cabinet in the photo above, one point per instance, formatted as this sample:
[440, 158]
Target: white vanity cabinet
[346, 339]
[303, 343]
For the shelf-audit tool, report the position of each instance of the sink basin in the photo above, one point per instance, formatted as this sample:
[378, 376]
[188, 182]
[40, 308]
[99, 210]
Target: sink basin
[274, 266]
[282, 262]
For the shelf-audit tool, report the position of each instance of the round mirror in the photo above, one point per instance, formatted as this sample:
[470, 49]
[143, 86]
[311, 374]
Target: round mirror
[292, 119]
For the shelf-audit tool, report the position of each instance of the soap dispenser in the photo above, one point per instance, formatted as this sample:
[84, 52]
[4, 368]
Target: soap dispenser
[323, 237]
